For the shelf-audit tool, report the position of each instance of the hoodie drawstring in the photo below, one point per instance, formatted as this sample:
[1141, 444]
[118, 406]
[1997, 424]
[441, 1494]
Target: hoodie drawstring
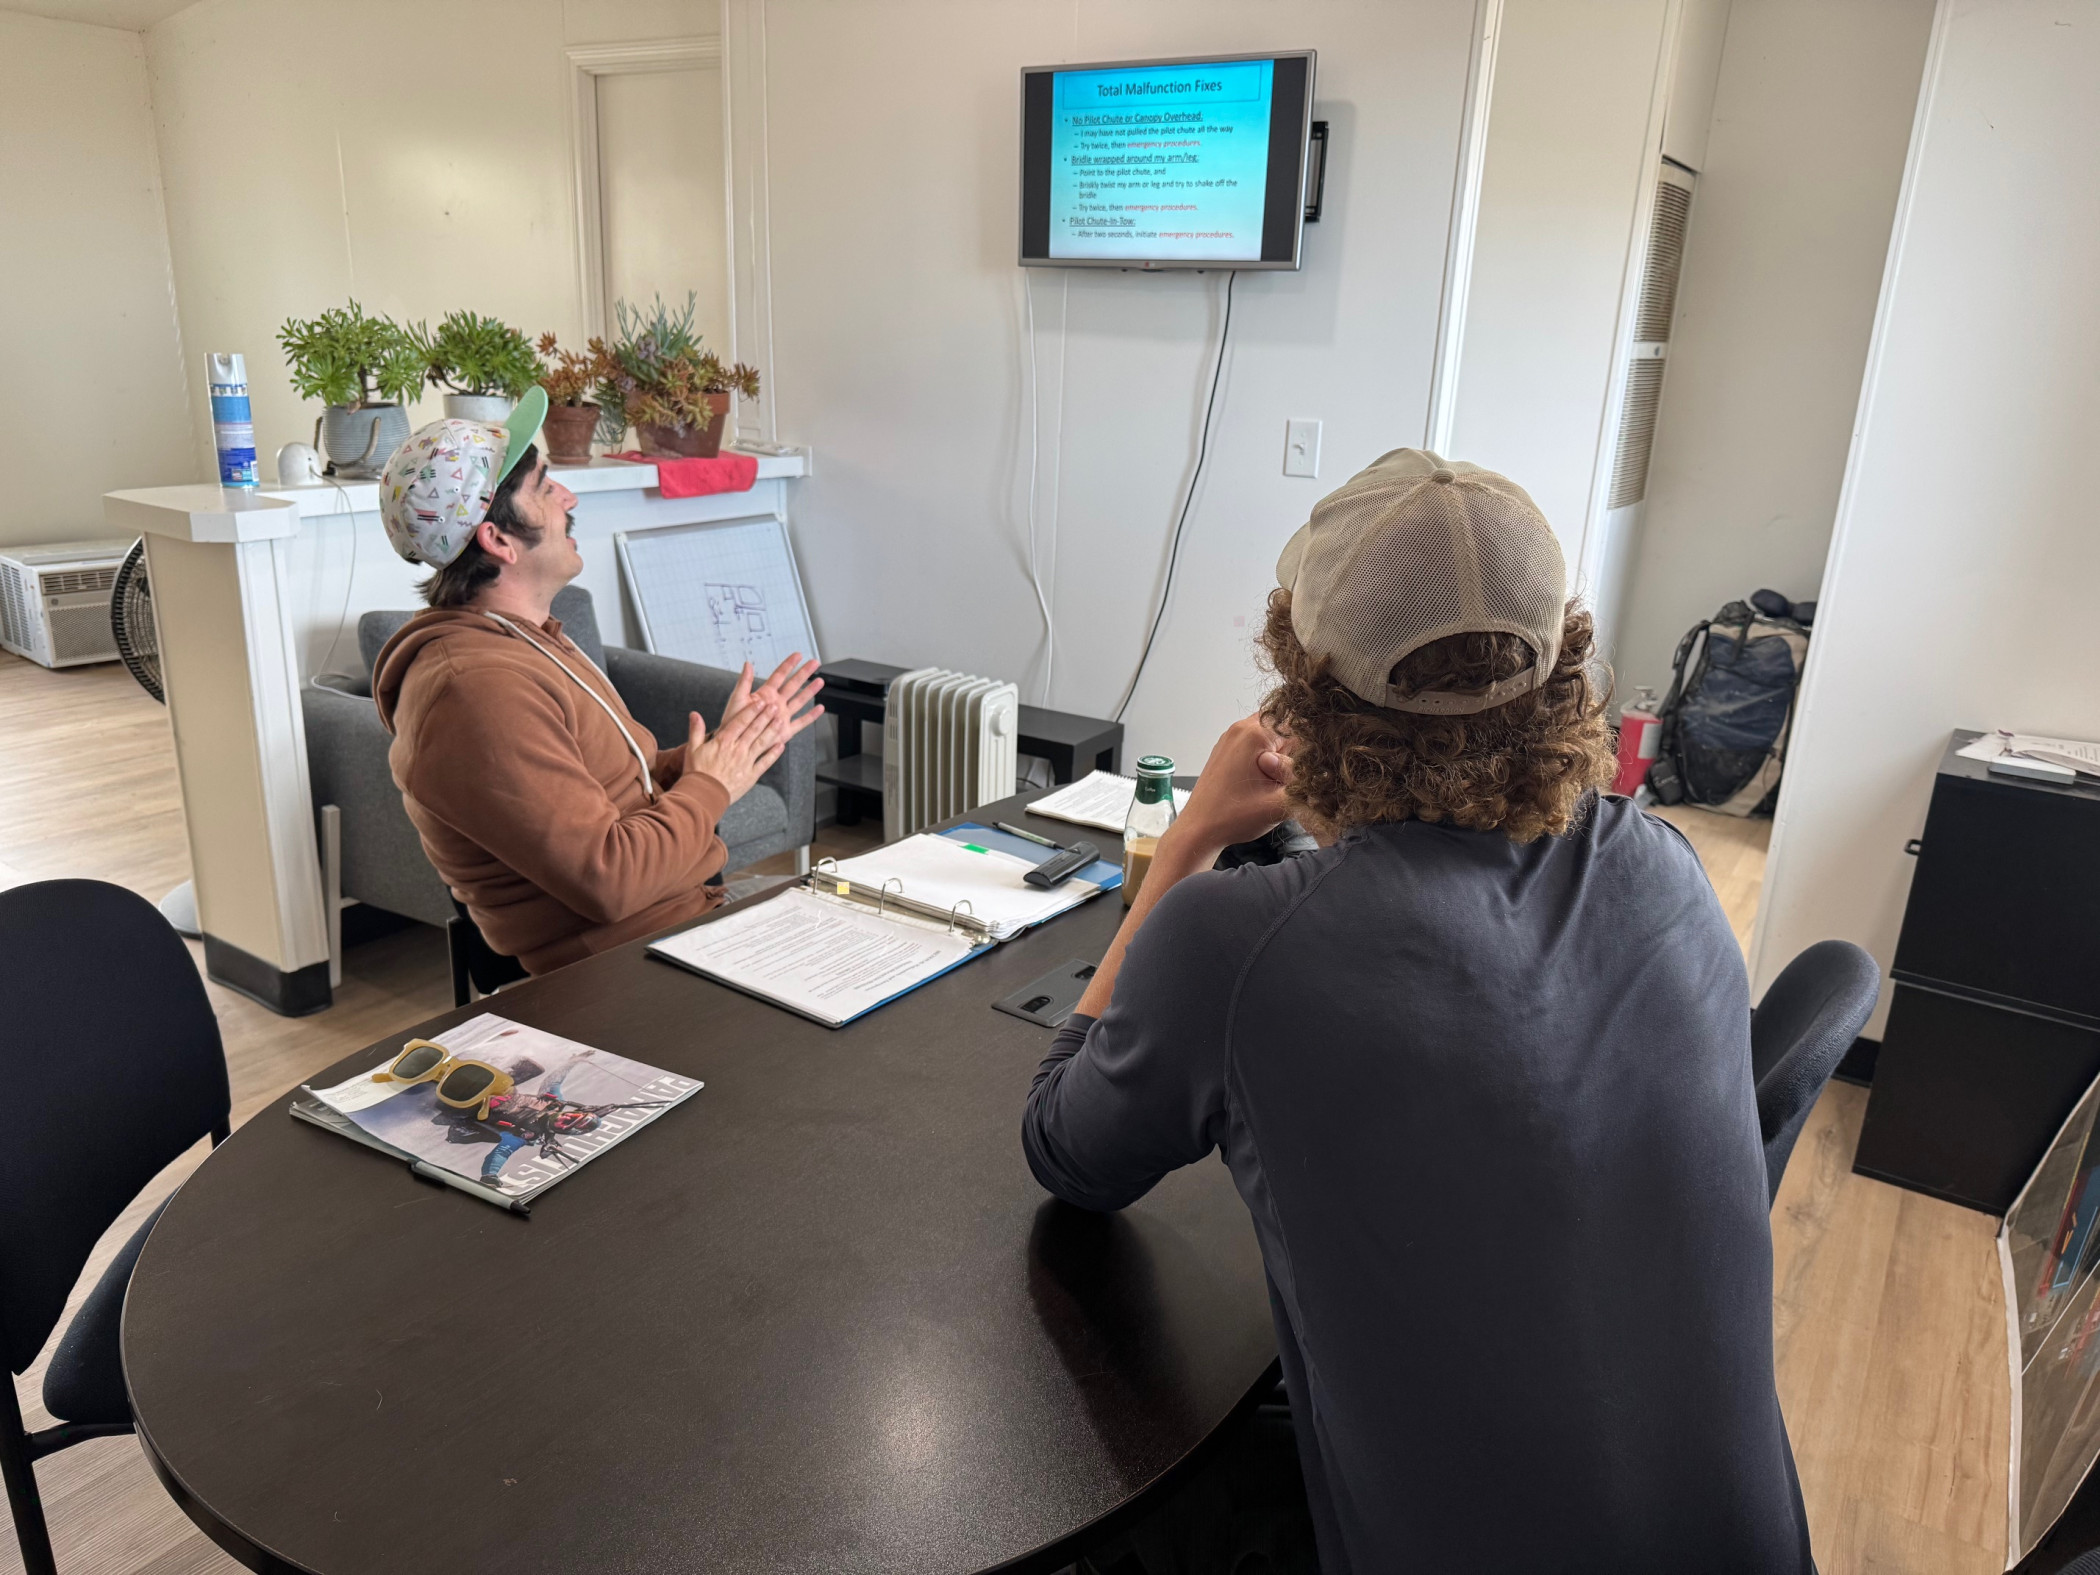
[640, 759]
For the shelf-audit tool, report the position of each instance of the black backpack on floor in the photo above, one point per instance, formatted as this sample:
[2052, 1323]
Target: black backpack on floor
[1726, 719]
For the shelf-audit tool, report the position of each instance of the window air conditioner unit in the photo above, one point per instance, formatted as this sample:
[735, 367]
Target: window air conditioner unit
[54, 601]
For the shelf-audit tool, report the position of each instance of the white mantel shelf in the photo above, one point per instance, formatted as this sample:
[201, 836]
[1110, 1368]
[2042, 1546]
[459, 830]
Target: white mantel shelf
[600, 475]
[204, 513]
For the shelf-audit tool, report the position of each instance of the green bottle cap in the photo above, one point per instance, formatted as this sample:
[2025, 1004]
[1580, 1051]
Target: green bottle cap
[1155, 766]
[1155, 780]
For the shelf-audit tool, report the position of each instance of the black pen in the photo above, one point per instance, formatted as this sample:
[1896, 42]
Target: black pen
[1016, 831]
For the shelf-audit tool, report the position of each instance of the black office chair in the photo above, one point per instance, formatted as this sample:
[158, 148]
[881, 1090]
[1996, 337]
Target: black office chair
[1798, 1034]
[2084, 1564]
[112, 1065]
[477, 967]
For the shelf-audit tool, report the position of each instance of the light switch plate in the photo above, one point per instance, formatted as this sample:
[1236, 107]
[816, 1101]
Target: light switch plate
[1301, 448]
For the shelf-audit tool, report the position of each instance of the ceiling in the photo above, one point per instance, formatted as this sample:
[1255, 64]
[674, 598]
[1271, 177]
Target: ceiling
[133, 15]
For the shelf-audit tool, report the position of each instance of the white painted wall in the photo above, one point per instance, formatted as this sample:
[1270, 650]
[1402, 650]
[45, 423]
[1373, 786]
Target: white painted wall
[95, 396]
[1965, 567]
[1572, 137]
[1702, 29]
[665, 217]
[1789, 231]
[416, 183]
[899, 350]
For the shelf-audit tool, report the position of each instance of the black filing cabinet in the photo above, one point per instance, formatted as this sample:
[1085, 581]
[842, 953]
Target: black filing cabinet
[1994, 1029]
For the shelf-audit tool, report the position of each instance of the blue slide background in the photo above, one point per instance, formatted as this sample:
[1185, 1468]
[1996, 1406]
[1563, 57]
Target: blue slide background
[1165, 162]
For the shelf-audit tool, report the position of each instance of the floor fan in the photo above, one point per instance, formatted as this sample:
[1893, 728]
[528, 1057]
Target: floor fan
[138, 643]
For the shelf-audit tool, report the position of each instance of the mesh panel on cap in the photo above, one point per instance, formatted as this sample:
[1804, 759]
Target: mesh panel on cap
[1391, 568]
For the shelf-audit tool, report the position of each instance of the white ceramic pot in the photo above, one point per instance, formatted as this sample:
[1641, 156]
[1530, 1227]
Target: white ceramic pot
[492, 408]
[360, 439]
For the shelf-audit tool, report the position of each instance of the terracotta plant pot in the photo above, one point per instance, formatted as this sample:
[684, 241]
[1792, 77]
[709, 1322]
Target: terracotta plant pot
[568, 432]
[684, 442]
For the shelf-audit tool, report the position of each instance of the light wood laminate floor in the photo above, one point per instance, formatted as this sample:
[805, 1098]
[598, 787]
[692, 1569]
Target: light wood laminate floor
[1886, 1308]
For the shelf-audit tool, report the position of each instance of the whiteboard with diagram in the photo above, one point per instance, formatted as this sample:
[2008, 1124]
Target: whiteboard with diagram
[722, 594]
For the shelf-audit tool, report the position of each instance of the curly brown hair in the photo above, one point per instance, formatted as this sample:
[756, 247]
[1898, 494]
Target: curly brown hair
[1521, 768]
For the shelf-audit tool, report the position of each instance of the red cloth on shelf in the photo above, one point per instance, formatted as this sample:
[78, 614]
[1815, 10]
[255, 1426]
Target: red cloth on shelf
[696, 478]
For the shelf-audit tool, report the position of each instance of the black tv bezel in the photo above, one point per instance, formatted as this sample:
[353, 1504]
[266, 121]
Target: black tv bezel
[1038, 187]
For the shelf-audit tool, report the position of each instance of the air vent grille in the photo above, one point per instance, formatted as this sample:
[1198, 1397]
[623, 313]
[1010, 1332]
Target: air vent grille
[1673, 208]
[67, 582]
[16, 622]
[81, 633]
[1629, 471]
[1651, 332]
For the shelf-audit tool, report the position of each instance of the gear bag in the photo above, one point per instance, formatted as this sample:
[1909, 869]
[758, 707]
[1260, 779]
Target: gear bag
[1726, 719]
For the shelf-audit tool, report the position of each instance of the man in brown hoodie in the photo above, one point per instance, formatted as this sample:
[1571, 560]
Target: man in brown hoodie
[547, 808]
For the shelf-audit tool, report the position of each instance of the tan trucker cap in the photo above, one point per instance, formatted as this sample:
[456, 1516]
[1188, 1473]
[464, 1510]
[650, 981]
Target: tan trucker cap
[1415, 548]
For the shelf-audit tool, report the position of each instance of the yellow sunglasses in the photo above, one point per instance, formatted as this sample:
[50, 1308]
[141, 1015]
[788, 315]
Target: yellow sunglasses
[461, 1083]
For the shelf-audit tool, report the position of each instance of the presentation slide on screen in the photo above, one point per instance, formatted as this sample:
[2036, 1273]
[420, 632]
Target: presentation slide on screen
[1165, 162]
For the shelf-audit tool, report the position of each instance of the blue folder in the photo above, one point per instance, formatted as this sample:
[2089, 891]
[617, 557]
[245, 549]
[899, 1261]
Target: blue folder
[1101, 872]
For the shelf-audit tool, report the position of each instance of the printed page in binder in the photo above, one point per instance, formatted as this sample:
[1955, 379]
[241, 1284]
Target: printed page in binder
[818, 956]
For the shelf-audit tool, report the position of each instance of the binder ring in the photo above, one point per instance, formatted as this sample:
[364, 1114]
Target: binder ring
[830, 860]
[882, 898]
[955, 914]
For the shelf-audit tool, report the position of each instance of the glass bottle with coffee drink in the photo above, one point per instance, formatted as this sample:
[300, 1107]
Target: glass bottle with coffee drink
[1151, 812]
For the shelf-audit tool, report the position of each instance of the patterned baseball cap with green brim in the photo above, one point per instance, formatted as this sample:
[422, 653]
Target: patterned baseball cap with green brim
[436, 489]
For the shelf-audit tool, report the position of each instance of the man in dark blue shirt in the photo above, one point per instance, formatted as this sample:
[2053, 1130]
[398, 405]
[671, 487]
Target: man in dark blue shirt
[1480, 1067]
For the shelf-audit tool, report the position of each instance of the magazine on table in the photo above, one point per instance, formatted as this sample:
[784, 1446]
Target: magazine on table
[495, 1108]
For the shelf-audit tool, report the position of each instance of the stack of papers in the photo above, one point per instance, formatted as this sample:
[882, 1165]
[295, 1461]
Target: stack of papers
[832, 951]
[1101, 800]
[815, 956]
[983, 882]
[2061, 760]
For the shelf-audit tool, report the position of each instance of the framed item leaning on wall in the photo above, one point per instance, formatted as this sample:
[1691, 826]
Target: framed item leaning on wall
[2049, 1253]
[722, 594]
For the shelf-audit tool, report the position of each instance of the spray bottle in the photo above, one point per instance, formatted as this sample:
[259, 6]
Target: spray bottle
[1640, 735]
[232, 424]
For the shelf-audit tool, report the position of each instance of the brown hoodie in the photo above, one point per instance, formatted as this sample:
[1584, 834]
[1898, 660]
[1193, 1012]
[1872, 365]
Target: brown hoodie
[529, 802]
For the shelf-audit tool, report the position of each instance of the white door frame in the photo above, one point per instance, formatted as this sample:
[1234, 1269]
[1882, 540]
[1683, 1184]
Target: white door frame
[1587, 572]
[746, 114]
[1465, 224]
[587, 63]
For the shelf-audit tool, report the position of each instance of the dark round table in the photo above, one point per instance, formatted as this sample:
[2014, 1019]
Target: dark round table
[817, 1318]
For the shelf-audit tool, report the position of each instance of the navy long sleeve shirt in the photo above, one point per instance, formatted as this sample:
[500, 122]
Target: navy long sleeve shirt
[1491, 1108]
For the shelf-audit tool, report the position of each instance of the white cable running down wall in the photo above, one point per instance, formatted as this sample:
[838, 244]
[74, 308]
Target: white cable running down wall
[1035, 577]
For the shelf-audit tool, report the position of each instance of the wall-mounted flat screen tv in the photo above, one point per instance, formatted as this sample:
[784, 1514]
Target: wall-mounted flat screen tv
[1158, 164]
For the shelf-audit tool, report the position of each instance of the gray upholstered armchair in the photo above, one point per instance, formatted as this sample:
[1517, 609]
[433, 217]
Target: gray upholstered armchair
[373, 854]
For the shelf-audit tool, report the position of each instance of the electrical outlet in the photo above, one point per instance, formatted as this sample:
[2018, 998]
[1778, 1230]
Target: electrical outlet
[1301, 448]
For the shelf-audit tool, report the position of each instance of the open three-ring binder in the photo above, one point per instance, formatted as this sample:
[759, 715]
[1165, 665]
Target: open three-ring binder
[853, 935]
[958, 918]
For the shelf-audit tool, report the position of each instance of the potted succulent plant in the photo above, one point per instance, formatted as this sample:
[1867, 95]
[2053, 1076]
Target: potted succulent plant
[570, 378]
[483, 364]
[365, 369]
[661, 380]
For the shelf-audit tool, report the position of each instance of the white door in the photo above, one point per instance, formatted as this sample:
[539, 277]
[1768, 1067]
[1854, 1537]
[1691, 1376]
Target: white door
[662, 187]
